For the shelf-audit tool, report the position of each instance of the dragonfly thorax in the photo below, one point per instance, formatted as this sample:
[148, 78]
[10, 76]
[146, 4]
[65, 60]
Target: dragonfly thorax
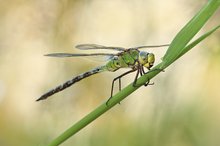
[146, 59]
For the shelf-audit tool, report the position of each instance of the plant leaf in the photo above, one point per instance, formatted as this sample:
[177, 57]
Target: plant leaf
[188, 32]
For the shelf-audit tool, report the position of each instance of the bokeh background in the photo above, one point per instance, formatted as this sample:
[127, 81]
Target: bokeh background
[182, 108]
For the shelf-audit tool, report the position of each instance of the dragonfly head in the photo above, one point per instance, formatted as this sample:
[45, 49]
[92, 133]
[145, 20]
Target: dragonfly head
[146, 59]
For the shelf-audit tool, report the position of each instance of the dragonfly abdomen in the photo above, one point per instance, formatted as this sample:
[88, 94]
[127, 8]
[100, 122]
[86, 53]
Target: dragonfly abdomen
[71, 82]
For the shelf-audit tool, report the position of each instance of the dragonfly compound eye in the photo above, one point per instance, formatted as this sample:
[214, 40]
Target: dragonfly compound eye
[143, 57]
[151, 60]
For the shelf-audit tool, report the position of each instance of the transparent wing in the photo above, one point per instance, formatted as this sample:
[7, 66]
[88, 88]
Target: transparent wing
[94, 56]
[152, 46]
[95, 46]
[77, 55]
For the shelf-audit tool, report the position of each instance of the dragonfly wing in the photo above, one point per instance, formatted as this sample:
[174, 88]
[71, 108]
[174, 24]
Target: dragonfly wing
[94, 56]
[88, 46]
[77, 55]
[95, 46]
[152, 46]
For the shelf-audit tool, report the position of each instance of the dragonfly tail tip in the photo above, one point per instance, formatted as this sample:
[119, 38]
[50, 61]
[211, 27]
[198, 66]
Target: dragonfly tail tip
[41, 98]
[38, 99]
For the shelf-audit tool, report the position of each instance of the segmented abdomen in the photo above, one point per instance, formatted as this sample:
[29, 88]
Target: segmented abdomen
[71, 82]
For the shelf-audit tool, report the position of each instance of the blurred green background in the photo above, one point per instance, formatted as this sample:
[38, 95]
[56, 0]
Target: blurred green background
[182, 108]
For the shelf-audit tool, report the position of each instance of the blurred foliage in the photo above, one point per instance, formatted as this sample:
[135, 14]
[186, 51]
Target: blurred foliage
[182, 108]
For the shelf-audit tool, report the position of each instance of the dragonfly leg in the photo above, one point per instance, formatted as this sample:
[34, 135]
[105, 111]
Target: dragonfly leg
[136, 77]
[118, 78]
[119, 83]
[148, 82]
[143, 72]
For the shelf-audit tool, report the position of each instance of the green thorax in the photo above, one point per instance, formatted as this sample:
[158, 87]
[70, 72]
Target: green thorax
[126, 59]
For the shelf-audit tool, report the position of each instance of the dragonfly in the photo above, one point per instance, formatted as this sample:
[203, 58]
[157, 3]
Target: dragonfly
[133, 58]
